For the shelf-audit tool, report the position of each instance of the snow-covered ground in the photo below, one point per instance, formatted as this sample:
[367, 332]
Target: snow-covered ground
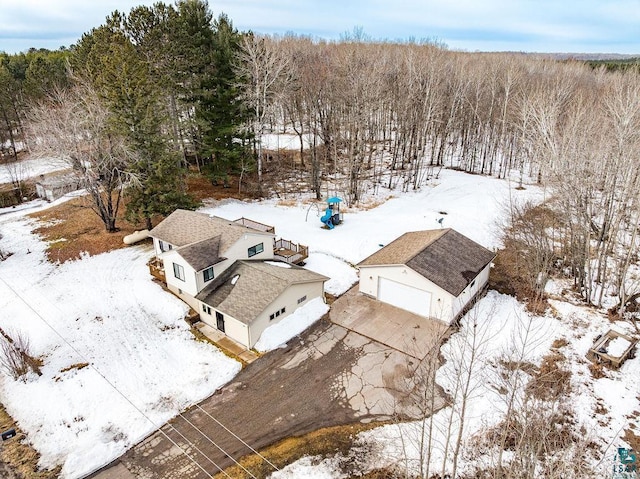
[132, 332]
[284, 141]
[144, 365]
[602, 408]
[30, 168]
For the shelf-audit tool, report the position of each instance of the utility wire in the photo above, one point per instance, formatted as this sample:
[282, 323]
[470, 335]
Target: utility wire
[158, 428]
[219, 447]
[141, 412]
[192, 444]
[239, 439]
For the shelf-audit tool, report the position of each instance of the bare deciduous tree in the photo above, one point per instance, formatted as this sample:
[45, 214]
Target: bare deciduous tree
[75, 124]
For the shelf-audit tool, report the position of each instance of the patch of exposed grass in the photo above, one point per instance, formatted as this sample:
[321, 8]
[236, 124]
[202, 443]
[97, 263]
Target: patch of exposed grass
[323, 442]
[201, 188]
[551, 380]
[18, 454]
[77, 366]
[73, 229]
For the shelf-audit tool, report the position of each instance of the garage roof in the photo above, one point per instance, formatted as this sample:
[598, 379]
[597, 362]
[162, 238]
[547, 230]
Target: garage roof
[445, 257]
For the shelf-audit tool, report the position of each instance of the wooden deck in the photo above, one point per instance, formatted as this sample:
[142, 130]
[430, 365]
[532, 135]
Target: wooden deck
[156, 269]
[290, 252]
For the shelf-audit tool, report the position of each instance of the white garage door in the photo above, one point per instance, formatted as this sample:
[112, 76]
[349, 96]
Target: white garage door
[406, 297]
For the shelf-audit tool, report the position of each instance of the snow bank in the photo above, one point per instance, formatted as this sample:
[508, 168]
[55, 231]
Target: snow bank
[278, 334]
[283, 141]
[496, 327]
[310, 468]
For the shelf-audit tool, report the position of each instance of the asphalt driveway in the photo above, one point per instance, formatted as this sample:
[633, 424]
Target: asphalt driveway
[331, 375]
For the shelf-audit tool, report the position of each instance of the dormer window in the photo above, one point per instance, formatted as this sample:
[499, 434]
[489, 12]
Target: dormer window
[165, 246]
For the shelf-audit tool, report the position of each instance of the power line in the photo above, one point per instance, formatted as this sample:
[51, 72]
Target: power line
[142, 413]
[200, 451]
[158, 428]
[239, 439]
[222, 450]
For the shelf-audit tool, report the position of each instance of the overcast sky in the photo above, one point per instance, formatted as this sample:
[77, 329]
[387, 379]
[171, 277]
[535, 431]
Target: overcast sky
[576, 26]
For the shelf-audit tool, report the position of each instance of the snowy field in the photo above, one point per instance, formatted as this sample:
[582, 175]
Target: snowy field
[144, 365]
[30, 168]
[113, 316]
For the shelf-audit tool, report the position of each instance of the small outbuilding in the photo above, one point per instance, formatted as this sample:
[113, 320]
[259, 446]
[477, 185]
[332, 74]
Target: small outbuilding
[433, 273]
[53, 187]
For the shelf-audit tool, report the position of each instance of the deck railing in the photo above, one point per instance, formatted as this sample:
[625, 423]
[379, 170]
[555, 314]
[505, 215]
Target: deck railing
[156, 269]
[289, 251]
[255, 225]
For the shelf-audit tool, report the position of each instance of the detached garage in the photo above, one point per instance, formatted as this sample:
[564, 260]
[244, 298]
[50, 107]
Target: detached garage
[433, 273]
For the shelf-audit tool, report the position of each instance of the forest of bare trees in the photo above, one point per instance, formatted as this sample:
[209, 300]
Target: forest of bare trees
[374, 115]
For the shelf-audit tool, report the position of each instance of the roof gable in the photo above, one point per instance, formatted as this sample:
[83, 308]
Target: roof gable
[247, 288]
[202, 254]
[445, 257]
[183, 227]
[402, 249]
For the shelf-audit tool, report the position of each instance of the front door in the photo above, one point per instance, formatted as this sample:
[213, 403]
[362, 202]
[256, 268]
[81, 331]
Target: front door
[220, 321]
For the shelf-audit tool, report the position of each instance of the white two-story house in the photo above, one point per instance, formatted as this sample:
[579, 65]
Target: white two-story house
[234, 273]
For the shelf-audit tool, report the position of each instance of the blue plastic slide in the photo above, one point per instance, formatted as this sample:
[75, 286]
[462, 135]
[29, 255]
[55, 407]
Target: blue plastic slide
[326, 219]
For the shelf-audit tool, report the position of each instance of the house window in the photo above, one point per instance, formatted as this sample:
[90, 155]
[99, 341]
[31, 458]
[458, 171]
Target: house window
[277, 313]
[283, 310]
[472, 283]
[165, 246]
[271, 316]
[208, 274]
[254, 250]
[206, 308]
[178, 271]
[303, 299]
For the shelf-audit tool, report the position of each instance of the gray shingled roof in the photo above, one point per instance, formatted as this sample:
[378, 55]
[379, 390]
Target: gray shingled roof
[202, 254]
[445, 257]
[183, 227]
[257, 286]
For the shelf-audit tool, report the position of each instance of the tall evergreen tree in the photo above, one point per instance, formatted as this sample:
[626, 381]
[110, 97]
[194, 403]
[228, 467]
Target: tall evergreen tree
[124, 78]
[224, 112]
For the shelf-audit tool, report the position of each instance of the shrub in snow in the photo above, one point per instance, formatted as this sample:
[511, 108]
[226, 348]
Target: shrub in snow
[15, 357]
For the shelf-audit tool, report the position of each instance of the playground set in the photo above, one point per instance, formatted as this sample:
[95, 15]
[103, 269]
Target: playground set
[332, 216]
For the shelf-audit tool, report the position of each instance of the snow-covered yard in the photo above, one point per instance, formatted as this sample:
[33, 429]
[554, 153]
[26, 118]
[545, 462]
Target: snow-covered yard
[30, 168]
[144, 365]
[114, 317]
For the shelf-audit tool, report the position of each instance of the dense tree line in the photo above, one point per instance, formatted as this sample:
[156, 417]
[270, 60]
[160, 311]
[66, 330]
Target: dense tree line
[182, 88]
